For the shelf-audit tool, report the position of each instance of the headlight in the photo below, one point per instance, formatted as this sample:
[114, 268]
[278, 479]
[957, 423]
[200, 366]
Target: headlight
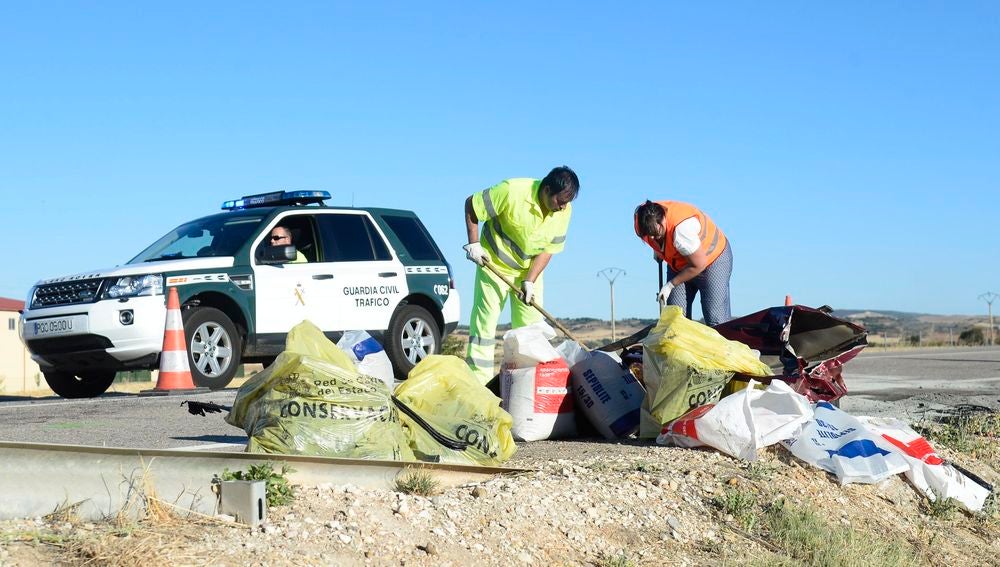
[133, 286]
[31, 298]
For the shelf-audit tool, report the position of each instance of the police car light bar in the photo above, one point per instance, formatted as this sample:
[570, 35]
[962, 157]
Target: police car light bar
[275, 199]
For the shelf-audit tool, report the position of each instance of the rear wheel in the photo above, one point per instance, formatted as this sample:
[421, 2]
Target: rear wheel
[413, 335]
[84, 385]
[214, 347]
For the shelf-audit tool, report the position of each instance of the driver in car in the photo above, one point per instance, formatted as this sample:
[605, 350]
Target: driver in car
[282, 236]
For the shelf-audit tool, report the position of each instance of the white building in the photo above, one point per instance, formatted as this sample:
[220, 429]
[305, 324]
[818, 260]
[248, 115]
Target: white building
[18, 373]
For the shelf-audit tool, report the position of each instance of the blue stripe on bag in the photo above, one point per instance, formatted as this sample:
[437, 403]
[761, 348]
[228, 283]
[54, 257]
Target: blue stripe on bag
[859, 448]
[366, 347]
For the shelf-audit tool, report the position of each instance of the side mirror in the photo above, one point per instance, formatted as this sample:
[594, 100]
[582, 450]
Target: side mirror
[278, 254]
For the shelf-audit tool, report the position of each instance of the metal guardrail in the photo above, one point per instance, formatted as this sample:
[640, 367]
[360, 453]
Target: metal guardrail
[38, 478]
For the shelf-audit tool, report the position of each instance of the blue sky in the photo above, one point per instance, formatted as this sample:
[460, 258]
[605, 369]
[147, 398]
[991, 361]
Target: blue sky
[849, 150]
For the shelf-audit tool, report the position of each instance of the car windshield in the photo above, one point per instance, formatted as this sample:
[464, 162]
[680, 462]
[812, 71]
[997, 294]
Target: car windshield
[219, 235]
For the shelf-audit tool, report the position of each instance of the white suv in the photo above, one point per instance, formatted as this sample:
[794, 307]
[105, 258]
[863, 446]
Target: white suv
[366, 268]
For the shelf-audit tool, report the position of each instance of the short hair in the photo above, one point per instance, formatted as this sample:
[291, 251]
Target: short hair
[561, 179]
[291, 233]
[648, 215]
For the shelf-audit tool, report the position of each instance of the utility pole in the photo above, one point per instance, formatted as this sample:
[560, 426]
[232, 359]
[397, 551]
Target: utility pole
[611, 274]
[989, 297]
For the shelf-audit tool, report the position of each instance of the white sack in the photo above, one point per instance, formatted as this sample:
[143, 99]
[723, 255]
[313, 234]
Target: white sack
[743, 422]
[534, 385]
[606, 393]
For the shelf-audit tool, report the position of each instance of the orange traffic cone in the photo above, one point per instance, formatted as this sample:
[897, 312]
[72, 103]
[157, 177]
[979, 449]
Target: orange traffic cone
[175, 373]
[788, 300]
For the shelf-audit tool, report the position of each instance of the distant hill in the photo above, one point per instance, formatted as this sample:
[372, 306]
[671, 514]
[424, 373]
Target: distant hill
[883, 326]
[589, 330]
[927, 327]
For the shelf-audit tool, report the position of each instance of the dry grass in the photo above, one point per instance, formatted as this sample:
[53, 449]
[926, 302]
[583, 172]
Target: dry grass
[805, 534]
[146, 531]
[141, 544]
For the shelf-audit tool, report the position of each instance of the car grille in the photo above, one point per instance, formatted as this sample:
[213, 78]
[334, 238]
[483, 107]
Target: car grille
[66, 293]
[59, 345]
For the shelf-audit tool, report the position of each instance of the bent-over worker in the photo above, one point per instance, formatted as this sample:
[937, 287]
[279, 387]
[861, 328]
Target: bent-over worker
[524, 224]
[697, 253]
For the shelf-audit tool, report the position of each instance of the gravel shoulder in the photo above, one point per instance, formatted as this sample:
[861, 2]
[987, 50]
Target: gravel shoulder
[588, 502]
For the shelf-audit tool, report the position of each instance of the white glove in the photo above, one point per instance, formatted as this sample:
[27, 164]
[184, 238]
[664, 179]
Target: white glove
[665, 292]
[527, 292]
[474, 252]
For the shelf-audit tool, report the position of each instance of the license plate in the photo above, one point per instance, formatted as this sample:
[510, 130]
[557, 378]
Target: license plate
[56, 326]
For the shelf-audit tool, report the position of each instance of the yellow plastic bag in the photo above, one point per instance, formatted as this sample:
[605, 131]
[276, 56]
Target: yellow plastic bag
[685, 365]
[312, 401]
[444, 393]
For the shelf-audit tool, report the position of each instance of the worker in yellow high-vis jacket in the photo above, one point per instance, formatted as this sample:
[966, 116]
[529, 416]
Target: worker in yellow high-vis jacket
[524, 224]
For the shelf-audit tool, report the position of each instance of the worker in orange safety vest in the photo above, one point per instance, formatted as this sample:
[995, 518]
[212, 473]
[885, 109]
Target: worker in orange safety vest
[697, 253]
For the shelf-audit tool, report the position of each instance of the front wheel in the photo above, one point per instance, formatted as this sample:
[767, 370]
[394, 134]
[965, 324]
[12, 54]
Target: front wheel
[214, 347]
[413, 335]
[84, 385]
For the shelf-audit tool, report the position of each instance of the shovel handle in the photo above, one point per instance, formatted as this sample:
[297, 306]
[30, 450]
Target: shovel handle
[555, 322]
[659, 271]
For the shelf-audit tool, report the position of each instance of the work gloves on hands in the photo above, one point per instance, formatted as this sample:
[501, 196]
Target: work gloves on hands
[665, 292]
[474, 251]
[527, 292]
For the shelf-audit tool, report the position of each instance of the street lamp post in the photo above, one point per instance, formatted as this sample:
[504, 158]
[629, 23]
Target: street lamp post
[611, 274]
[989, 297]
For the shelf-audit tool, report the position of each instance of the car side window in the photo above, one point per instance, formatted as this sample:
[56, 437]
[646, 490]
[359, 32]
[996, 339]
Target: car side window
[414, 236]
[303, 230]
[350, 238]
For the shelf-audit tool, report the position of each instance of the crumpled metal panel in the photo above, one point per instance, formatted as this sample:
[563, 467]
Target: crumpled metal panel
[809, 347]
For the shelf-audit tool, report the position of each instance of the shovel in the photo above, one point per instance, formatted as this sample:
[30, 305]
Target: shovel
[659, 270]
[555, 322]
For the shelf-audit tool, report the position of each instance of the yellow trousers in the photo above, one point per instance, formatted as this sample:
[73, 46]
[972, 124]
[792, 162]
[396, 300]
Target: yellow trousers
[489, 298]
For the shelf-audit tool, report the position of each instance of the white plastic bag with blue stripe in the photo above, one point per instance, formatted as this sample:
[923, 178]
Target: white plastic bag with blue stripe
[369, 357]
[839, 443]
[928, 472]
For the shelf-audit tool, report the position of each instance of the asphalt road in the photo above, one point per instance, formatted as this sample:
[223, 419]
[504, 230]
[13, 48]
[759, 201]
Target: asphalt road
[120, 420]
[905, 384]
[909, 384]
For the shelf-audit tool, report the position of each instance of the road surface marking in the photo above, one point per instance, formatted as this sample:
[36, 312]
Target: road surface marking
[918, 355]
[210, 446]
[849, 375]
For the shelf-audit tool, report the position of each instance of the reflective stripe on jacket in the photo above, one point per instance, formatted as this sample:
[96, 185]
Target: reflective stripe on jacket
[713, 241]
